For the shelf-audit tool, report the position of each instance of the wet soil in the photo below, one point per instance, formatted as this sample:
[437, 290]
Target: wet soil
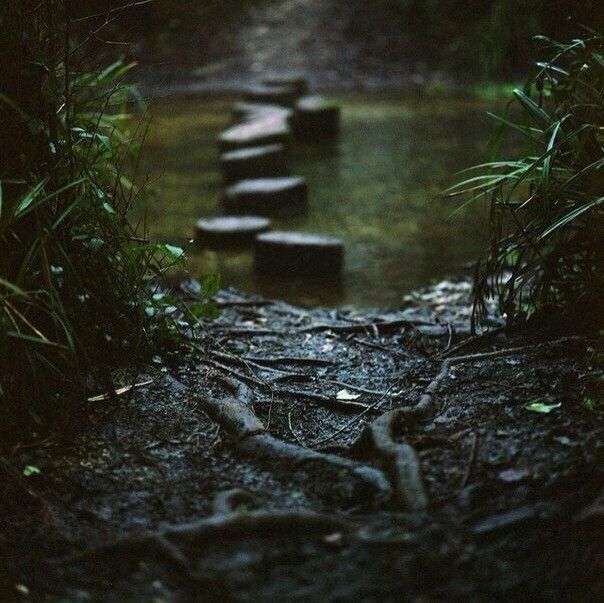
[508, 513]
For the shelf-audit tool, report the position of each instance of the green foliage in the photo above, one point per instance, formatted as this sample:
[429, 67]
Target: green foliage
[76, 278]
[488, 38]
[546, 205]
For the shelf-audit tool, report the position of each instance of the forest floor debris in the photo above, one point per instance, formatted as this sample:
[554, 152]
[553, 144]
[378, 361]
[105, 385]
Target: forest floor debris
[398, 468]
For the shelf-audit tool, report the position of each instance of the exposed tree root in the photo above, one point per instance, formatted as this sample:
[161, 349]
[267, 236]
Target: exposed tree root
[374, 328]
[167, 545]
[400, 459]
[356, 481]
[258, 524]
[365, 327]
[228, 501]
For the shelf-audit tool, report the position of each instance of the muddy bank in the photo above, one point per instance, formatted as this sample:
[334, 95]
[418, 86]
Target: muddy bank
[322, 455]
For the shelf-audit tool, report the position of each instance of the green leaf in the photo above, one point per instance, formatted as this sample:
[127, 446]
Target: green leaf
[30, 470]
[209, 285]
[175, 252]
[541, 407]
[536, 112]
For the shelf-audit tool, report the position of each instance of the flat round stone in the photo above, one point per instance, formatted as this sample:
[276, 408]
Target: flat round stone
[298, 82]
[254, 162]
[229, 232]
[278, 95]
[295, 254]
[316, 118]
[244, 111]
[282, 197]
[270, 128]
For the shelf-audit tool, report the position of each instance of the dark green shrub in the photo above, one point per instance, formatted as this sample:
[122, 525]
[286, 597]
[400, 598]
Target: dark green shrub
[75, 276]
[547, 204]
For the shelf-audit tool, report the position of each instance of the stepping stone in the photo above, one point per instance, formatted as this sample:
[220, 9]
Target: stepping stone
[254, 162]
[295, 254]
[316, 117]
[282, 197]
[270, 128]
[278, 95]
[229, 232]
[244, 111]
[297, 82]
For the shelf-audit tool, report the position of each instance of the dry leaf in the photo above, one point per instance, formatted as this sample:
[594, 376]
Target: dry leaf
[119, 391]
[344, 394]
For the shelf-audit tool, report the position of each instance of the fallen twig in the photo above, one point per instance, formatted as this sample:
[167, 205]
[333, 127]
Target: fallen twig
[290, 360]
[380, 326]
[376, 346]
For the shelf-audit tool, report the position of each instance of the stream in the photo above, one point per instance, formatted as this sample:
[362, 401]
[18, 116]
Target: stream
[377, 188]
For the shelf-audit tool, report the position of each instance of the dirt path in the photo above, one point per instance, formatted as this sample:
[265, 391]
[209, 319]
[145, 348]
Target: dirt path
[322, 455]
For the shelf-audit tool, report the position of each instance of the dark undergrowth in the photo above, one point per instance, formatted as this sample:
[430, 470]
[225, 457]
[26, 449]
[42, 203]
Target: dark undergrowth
[547, 202]
[75, 275]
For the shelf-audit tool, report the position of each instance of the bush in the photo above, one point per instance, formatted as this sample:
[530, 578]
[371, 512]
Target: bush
[546, 206]
[489, 38]
[74, 274]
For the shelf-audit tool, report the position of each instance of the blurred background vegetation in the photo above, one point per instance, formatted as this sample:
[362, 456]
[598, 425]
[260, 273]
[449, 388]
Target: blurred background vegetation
[474, 39]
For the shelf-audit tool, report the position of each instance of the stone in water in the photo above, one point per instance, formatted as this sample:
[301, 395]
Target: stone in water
[282, 197]
[270, 128]
[316, 118]
[254, 162]
[295, 254]
[229, 232]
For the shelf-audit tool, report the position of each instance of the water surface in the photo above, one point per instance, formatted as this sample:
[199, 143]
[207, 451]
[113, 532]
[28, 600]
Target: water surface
[377, 189]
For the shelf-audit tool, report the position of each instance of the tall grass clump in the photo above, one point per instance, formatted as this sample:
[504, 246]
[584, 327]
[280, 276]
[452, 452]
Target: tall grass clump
[74, 274]
[546, 204]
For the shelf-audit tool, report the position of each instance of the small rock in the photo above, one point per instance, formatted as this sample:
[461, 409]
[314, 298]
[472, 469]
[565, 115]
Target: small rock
[513, 475]
[334, 539]
[281, 197]
[254, 162]
[269, 128]
[229, 232]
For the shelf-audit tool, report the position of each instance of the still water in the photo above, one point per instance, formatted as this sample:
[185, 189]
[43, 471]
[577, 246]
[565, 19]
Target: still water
[377, 188]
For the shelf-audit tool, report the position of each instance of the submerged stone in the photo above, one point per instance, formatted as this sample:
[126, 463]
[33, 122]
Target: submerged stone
[292, 254]
[298, 82]
[229, 232]
[316, 118]
[254, 162]
[269, 128]
[281, 197]
[279, 95]
[245, 111]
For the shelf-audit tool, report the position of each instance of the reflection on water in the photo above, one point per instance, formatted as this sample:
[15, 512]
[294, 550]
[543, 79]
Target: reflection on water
[377, 189]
